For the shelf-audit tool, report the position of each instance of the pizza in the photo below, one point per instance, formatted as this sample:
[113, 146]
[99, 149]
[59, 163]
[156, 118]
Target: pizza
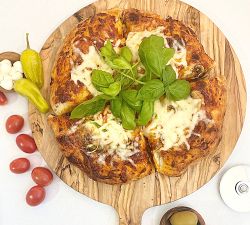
[121, 155]
[69, 88]
[179, 131]
[207, 103]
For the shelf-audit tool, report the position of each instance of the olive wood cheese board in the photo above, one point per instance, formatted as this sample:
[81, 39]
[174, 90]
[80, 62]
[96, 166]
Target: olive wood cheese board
[132, 199]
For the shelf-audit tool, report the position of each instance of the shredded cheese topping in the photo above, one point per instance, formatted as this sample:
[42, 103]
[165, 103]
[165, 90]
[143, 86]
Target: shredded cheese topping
[107, 131]
[174, 122]
[91, 60]
[134, 40]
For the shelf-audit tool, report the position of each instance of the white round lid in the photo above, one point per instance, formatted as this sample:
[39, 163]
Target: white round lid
[235, 188]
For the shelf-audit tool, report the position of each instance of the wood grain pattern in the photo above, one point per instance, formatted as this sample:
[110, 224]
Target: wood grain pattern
[132, 199]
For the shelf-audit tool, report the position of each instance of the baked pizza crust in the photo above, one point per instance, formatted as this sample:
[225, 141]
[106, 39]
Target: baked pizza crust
[115, 25]
[175, 161]
[112, 169]
[199, 63]
[66, 94]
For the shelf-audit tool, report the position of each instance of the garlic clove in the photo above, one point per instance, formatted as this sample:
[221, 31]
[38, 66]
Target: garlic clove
[6, 83]
[18, 66]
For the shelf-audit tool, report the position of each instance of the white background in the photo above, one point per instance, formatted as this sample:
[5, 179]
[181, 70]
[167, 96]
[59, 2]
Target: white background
[64, 206]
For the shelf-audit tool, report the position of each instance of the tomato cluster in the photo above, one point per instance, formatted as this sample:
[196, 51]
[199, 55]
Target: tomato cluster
[40, 175]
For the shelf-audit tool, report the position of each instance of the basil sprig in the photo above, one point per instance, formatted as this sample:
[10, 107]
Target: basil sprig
[146, 113]
[89, 107]
[152, 90]
[153, 55]
[175, 89]
[131, 98]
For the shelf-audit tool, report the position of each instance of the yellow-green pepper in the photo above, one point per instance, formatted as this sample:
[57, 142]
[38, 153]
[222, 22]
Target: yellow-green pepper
[32, 64]
[28, 89]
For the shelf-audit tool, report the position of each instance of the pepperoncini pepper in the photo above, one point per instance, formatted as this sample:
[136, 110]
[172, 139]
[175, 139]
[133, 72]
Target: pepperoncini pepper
[32, 64]
[28, 89]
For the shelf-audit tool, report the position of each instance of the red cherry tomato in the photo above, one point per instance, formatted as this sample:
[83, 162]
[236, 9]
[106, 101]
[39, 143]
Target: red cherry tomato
[3, 99]
[35, 195]
[42, 176]
[26, 143]
[14, 124]
[20, 165]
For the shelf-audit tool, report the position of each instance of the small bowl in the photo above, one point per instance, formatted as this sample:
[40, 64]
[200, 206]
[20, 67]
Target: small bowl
[13, 57]
[169, 213]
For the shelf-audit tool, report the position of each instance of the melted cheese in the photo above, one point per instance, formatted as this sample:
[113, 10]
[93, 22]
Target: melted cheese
[117, 46]
[174, 122]
[75, 126]
[91, 60]
[134, 40]
[180, 53]
[108, 132]
[179, 58]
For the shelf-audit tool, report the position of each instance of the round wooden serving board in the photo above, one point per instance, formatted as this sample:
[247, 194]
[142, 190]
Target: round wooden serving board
[132, 199]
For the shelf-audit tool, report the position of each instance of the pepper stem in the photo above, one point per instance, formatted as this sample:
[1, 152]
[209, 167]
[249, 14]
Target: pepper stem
[27, 40]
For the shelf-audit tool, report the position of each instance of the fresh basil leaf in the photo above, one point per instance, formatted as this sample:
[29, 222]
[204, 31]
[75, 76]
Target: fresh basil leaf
[128, 117]
[126, 53]
[101, 79]
[107, 51]
[130, 97]
[147, 76]
[152, 90]
[153, 41]
[153, 54]
[168, 93]
[150, 53]
[128, 80]
[146, 113]
[106, 97]
[169, 75]
[167, 54]
[87, 108]
[113, 89]
[179, 89]
[121, 64]
[115, 106]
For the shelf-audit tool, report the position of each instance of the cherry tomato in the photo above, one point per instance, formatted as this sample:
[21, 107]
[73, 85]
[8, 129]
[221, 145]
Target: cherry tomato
[3, 99]
[19, 165]
[35, 195]
[42, 176]
[14, 124]
[26, 143]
